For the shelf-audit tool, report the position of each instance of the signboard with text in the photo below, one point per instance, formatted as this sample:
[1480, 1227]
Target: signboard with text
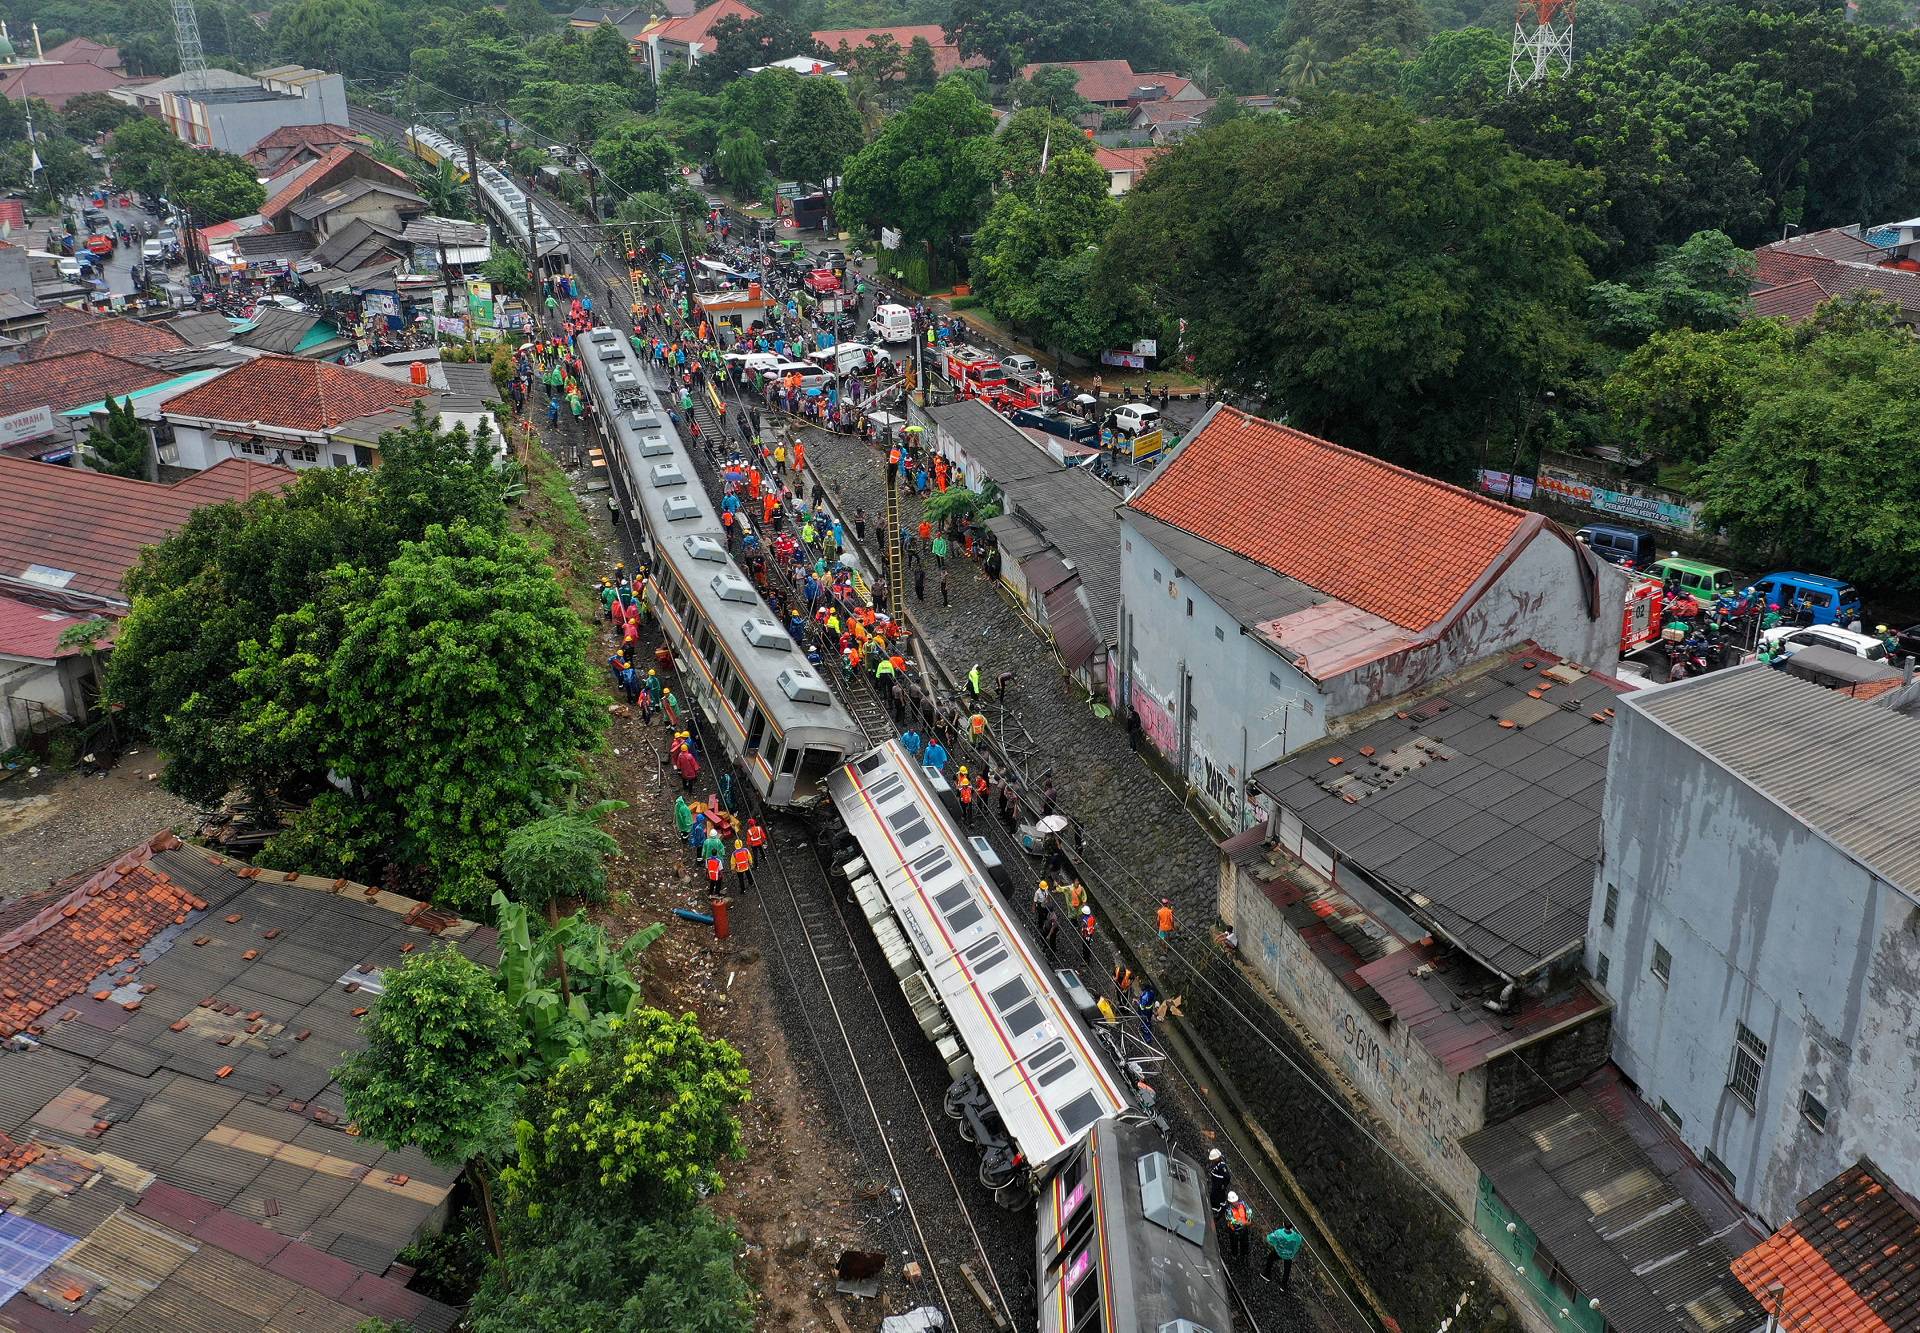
[29, 424]
[1569, 487]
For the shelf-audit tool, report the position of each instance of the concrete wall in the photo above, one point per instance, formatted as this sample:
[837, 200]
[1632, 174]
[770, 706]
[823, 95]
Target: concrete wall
[1538, 597]
[1237, 694]
[197, 448]
[1428, 1110]
[1183, 653]
[1768, 925]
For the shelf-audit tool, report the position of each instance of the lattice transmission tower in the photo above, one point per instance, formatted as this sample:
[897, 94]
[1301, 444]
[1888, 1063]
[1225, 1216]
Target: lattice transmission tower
[1542, 42]
[186, 30]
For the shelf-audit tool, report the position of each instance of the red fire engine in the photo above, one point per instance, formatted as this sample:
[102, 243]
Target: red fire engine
[973, 373]
[1640, 624]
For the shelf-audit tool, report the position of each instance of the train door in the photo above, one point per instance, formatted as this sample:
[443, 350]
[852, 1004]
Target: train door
[815, 763]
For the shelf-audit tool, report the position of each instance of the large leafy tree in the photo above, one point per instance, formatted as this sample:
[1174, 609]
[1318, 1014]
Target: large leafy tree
[822, 131]
[1418, 335]
[928, 172]
[439, 1068]
[346, 35]
[446, 698]
[571, 1272]
[740, 45]
[566, 983]
[763, 102]
[141, 155]
[93, 114]
[1731, 118]
[639, 1125]
[214, 187]
[572, 113]
[742, 162]
[1683, 393]
[1701, 284]
[1338, 27]
[1058, 214]
[636, 160]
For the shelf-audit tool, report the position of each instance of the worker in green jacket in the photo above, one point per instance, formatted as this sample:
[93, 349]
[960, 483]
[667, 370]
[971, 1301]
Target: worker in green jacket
[1283, 1243]
[682, 817]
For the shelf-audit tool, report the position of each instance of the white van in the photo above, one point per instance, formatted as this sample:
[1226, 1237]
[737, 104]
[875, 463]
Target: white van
[1131, 419]
[891, 324]
[844, 357]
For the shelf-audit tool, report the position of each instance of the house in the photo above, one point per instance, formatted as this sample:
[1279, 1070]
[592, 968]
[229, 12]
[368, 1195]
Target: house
[116, 335]
[34, 394]
[341, 165]
[296, 145]
[283, 332]
[1609, 1225]
[1416, 895]
[1848, 1259]
[1273, 585]
[22, 323]
[86, 51]
[631, 20]
[667, 42]
[1791, 278]
[1123, 166]
[438, 241]
[283, 409]
[1114, 84]
[1753, 919]
[173, 1147]
[235, 112]
[843, 44]
[56, 85]
[67, 539]
[380, 203]
[1168, 122]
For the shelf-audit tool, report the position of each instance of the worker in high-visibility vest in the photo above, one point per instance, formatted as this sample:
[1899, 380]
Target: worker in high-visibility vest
[742, 866]
[965, 786]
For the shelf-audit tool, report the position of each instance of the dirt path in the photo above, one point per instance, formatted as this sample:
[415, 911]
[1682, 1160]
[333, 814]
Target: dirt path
[58, 824]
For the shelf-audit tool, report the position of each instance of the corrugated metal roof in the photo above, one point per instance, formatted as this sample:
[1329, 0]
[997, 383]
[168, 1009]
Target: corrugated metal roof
[1602, 1207]
[1846, 769]
[992, 441]
[1457, 781]
[1073, 631]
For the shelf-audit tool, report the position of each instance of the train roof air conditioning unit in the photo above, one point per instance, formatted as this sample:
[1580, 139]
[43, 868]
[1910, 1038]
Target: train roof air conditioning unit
[706, 548]
[678, 507]
[668, 474]
[766, 634]
[1170, 1196]
[731, 587]
[803, 686]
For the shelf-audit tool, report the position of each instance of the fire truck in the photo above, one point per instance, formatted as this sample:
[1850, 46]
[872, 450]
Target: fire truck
[973, 373]
[1640, 623]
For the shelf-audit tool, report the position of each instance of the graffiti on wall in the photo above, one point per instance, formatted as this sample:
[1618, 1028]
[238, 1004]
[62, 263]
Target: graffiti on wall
[1380, 1069]
[1156, 719]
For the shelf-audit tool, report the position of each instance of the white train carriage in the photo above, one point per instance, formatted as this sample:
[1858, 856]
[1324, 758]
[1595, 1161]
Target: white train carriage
[1028, 1082]
[773, 712]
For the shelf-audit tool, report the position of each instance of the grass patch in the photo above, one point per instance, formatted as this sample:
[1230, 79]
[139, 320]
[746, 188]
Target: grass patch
[556, 525]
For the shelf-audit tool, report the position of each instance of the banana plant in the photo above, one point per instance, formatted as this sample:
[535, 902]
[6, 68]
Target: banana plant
[565, 981]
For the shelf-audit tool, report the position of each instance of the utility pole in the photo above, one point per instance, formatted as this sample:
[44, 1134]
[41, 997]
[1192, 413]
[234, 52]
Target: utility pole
[533, 239]
[592, 173]
[473, 170]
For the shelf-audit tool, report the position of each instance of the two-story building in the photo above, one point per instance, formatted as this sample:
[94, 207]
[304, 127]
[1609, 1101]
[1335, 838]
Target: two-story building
[1756, 917]
[1273, 584]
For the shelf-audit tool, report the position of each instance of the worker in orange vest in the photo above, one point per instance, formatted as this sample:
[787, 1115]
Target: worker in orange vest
[965, 785]
[1237, 1223]
[713, 873]
[756, 836]
[742, 866]
[799, 456]
[1166, 919]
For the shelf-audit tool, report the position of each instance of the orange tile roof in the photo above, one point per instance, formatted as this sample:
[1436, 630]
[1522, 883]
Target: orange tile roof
[1849, 1260]
[293, 392]
[280, 199]
[1404, 547]
[115, 335]
[1125, 159]
[95, 526]
[698, 27]
[68, 379]
[1110, 80]
[946, 56]
[103, 922]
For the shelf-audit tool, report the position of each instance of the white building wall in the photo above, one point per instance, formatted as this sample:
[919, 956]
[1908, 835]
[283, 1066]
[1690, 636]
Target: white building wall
[1769, 925]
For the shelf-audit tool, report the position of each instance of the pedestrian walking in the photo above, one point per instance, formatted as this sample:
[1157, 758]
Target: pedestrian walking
[1041, 907]
[965, 785]
[1283, 1243]
[1166, 920]
[943, 589]
[1050, 933]
[920, 584]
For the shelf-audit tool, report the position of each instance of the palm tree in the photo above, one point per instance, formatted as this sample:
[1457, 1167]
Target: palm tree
[1304, 65]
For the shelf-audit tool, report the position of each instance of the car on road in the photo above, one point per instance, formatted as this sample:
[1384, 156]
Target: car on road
[1832, 601]
[70, 268]
[153, 252]
[1618, 545]
[100, 243]
[1790, 639]
[93, 217]
[891, 324]
[1705, 581]
[844, 357]
[1131, 419]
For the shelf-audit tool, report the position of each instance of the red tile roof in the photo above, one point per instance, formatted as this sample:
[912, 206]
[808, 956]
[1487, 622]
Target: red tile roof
[115, 335]
[1850, 1259]
[1125, 159]
[33, 631]
[319, 172]
[1110, 80]
[95, 526]
[946, 56]
[54, 84]
[1404, 547]
[1792, 301]
[85, 51]
[73, 378]
[697, 27]
[293, 392]
[98, 925]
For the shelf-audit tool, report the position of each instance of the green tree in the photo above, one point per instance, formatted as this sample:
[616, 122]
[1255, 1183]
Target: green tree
[1418, 336]
[1684, 392]
[560, 855]
[628, 1276]
[430, 475]
[740, 45]
[345, 35]
[446, 700]
[920, 71]
[507, 271]
[119, 446]
[637, 160]
[1054, 89]
[572, 113]
[639, 1125]
[742, 163]
[927, 173]
[92, 114]
[530, 18]
[1341, 26]
[822, 132]
[1305, 65]
[1458, 72]
[141, 155]
[1066, 211]
[439, 1068]
[879, 58]
[763, 102]
[214, 187]
[1701, 284]
[1370, 71]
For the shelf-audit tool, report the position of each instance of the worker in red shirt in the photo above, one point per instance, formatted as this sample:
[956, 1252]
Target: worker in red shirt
[1166, 919]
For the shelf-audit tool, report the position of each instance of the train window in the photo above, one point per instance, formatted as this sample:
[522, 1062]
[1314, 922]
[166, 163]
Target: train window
[1025, 1019]
[1010, 994]
[912, 833]
[882, 790]
[872, 762]
[952, 899]
[905, 813]
[1082, 1111]
[933, 862]
[986, 955]
[789, 760]
[964, 919]
[756, 729]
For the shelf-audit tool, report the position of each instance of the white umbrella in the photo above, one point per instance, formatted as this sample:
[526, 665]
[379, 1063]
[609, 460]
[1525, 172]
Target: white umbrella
[1053, 824]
